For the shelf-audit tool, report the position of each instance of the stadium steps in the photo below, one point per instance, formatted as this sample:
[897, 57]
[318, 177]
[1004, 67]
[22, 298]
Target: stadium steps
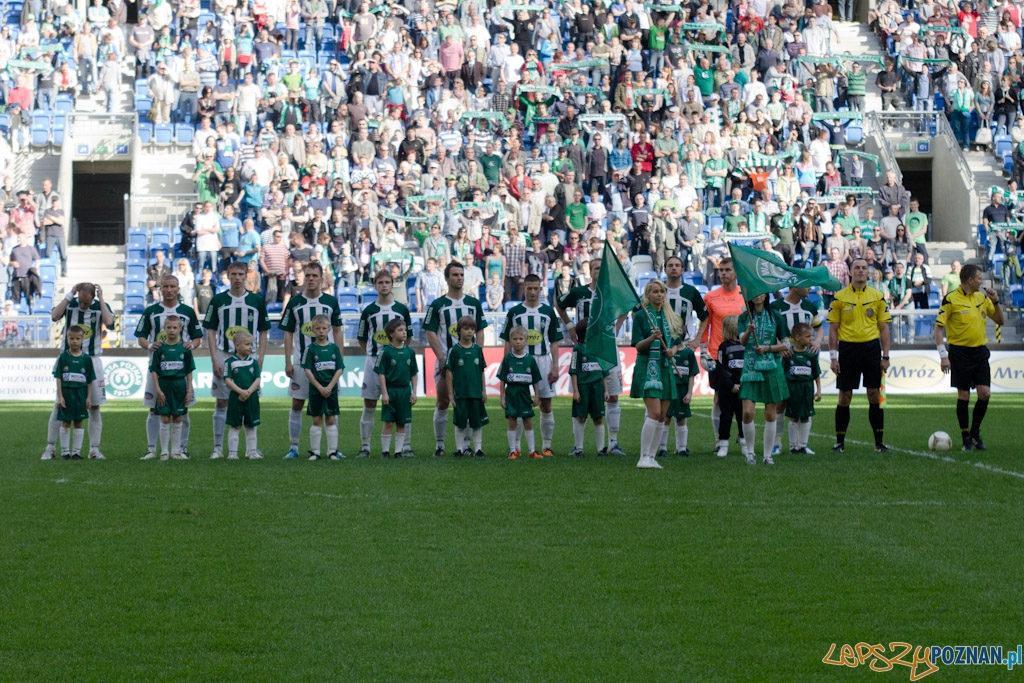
[103, 266]
[857, 39]
[30, 168]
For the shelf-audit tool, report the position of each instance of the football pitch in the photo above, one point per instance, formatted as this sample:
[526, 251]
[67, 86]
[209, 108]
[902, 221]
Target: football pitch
[490, 570]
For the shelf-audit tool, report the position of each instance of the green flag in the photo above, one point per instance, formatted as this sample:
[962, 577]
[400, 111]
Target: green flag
[762, 272]
[613, 298]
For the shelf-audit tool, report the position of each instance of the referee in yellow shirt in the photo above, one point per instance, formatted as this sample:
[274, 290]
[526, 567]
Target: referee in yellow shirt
[962, 315]
[858, 342]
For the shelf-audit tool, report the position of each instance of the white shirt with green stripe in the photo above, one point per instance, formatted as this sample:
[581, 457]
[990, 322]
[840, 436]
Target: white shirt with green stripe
[229, 314]
[443, 316]
[543, 330]
[298, 319]
[801, 312]
[90, 320]
[151, 324]
[372, 321]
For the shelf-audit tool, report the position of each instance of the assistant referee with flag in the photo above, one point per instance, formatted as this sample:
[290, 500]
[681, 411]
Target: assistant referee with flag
[962, 314]
[858, 342]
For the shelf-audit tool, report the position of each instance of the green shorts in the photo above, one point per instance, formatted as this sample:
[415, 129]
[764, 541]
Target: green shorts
[591, 403]
[470, 412]
[243, 413]
[319, 406]
[800, 403]
[74, 404]
[517, 401]
[398, 409]
[175, 389]
[677, 409]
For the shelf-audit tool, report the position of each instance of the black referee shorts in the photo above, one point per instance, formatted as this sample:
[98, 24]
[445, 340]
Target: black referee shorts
[858, 359]
[968, 367]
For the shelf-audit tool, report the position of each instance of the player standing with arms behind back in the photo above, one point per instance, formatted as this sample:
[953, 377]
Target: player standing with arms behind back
[962, 315]
[542, 336]
[372, 340]
[298, 317]
[84, 306]
[441, 326]
[858, 342]
[229, 312]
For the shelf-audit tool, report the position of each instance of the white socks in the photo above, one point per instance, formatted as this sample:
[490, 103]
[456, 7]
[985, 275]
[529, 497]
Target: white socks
[315, 434]
[233, 433]
[95, 429]
[663, 442]
[794, 435]
[176, 438]
[513, 440]
[478, 439]
[366, 427]
[152, 431]
[682, 435]
[599, 436]
[399, 442]
[769, 438]
[250, 439]
[749, 432]
[440, 426]
[649, 435]
[531, 444]
[53, 427]
[186, 429]
[332, 438]
[462, 436]
[547, 429]
[577, 433]
[613, 413]
[385, 443]
[65, 439]
[165, 438]
[804, 432]
[295, 429]
[716, 418]
[77, 436]
[220, 418]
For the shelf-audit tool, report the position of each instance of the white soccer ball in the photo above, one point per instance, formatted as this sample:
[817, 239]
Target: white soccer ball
[940, 441]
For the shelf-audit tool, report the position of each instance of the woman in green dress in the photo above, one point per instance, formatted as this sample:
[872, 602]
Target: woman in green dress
[657, 332]
[765, 336]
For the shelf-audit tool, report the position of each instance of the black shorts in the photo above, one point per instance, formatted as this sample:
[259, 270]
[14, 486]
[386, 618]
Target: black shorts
[968, 367]
[858, 359]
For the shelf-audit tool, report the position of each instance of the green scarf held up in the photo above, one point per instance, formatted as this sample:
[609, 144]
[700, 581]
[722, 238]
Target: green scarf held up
[653, 378]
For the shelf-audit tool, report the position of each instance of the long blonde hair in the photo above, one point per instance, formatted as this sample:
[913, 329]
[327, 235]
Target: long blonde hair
[675, 323]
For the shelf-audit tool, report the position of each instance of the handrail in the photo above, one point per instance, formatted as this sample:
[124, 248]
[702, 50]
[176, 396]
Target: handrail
[874, 128]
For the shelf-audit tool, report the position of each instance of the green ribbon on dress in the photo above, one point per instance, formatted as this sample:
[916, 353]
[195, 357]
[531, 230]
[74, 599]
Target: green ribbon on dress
[653, 380]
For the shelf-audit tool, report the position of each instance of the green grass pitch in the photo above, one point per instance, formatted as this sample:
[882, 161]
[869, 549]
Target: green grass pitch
[491, 570]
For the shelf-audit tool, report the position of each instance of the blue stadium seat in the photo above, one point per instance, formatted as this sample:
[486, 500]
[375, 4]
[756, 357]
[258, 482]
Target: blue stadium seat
[855, 133]
[1003, 145]
[5, 123]
[145, 132]
[136, 276]
[933, 299]
[348, 296]
[49, 288]
[367, 295]
[43, 303]
[693, 277]
[143, 105]
[134, 305]
[509, 305]
[138, 255]
[40, 119]
[58, 135]
[135, 291]
[41, 137]
[160, 237]
[274, 308]
[64, 104]
[141, 87]
[184, 134]
[163, 134]
[276, 334]
[48, 272]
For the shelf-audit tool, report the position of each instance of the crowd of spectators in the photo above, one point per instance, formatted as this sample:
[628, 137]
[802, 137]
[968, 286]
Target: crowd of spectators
[512, 138]
[34, 227]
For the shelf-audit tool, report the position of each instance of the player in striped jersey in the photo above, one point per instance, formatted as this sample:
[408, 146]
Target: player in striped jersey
[441, 328]
[229, 312]
[372, 340]
[579, 297]
[685, 300]
[84, 306]
[150, 336]
[298, 317]
[542, 336]
[795, 308]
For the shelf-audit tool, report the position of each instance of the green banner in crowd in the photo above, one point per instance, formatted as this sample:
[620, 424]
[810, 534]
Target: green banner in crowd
[425, 198]
[807, 59]
[702, 27]
[640, 92]
[923, 60]
[762, 272]
[399, 257]
[869, 59]
[863, 155]
[956, 30]
[27, 65]
[602, 118]
[582, 64]
[40, 49]
[542, 89]
[830, 115]
[664, 8]
[852, 189]
[489, 115]
[759, 236]
[388, 216]
[701, 47]
[544, 119]
[1015, 227]
[586, 90]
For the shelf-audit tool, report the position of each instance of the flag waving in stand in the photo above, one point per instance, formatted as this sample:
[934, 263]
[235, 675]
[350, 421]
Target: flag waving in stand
[613, 298]
[763, 272]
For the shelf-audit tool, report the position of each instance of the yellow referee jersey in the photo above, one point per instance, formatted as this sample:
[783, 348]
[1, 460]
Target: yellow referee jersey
[850, 310]
[963, 315]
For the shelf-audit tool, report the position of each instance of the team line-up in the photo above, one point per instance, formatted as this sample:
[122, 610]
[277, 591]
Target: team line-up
[754, 351]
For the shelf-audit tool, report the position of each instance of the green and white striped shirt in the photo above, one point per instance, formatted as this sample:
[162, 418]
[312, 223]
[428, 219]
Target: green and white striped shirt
[372, 321]
[685, 300]
[543, 328]
[578, 297]
[229, 314]
[443, 316]
[90, 320]
[802, 312]
[151, 325]
[298, 318]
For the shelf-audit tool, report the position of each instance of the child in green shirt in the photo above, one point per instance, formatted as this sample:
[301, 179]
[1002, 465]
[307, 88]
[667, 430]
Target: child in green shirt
[172, 366]
[588, 393]
[467, 383]
[518, 373]
[242, 375]
[323, 364]
[396, 371]
[74, 372]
